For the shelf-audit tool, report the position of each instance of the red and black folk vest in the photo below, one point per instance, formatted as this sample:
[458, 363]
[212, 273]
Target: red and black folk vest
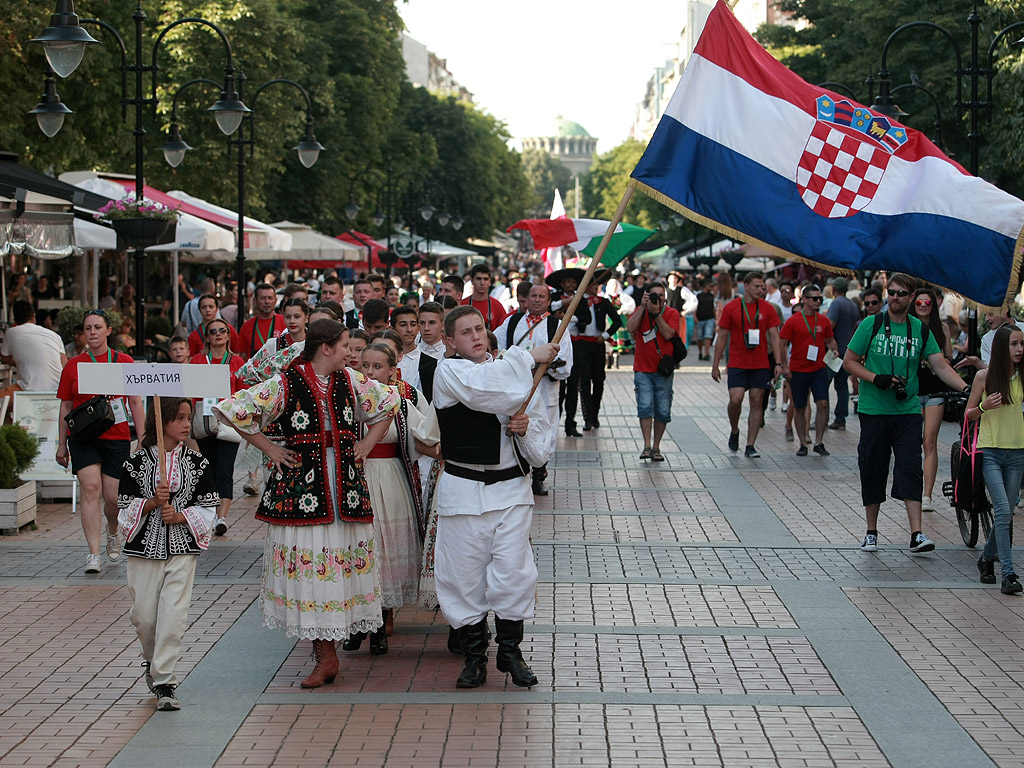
[301, 495]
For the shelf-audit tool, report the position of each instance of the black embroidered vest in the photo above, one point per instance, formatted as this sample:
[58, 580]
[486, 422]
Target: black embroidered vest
[301, 495]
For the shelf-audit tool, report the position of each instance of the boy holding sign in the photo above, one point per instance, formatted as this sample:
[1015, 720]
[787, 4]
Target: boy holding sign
[167, 505]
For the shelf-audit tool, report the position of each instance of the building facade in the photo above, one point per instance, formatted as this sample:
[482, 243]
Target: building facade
[570, 144]
[426, 69]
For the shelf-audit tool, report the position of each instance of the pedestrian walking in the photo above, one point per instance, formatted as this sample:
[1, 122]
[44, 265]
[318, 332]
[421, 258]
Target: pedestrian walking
[320, 578]
[97, 461]
[167, 504]
[809, 333]
[748, 326]
[995, 399]
[886, 354]
[844, 317]
[484, 560]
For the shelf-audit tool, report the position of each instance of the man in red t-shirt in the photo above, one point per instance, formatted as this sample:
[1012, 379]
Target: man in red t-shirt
[809, 332]
[748, 325]
[652, 326]
[267, 324]
[494, 314]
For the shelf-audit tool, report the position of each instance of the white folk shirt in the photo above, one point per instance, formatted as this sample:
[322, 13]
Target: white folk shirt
[528, 336]
[499, 387]
[36, 352]
[409, 365]
[435, 350]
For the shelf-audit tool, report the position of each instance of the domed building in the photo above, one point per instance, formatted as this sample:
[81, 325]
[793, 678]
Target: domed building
[571, 145]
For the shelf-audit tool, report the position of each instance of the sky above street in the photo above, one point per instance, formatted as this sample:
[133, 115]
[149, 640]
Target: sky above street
[530, 61]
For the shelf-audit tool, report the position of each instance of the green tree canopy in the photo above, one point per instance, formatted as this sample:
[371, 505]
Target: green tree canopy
[544, 174]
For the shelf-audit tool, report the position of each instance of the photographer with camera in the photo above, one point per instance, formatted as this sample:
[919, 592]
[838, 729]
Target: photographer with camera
[886, 354]
[652, 326]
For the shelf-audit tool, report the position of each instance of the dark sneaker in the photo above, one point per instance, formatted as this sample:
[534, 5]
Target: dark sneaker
[1011, 586]
[821, 450]
[751, 452]
[149, 678]
[801, 451]
[987, 570]
[166, 701]
[221, 526]
[837, 425]
[870, 543]
[920, 543]
[734, 441]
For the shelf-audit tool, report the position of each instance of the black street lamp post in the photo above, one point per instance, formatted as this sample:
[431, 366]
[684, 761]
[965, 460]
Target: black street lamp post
[308, 150]
[64, 43]
[389, 203]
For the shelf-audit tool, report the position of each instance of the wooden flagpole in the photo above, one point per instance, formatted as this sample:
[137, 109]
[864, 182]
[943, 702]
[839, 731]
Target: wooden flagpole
[584, 283]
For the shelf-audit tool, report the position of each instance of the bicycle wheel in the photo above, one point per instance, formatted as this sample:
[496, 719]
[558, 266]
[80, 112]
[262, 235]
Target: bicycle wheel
[967, 521]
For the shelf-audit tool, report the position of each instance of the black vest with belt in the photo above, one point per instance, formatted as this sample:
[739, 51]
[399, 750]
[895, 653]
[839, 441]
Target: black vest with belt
[302, 495]
[468, 436]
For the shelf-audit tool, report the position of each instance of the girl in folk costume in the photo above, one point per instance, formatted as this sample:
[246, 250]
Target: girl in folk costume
[392, 477]
[219, 449]
[166, 510]
[320, 578]
[358, 339]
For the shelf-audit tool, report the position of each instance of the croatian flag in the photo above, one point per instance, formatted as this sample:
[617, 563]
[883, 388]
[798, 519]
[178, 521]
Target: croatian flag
[749, 149]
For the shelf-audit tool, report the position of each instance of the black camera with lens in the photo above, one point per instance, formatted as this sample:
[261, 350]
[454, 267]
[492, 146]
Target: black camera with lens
[899, 387]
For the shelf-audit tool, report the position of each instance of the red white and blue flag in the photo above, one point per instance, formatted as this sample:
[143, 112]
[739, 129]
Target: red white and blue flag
[748, 148]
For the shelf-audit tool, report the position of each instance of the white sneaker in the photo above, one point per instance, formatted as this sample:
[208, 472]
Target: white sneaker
[772, 402]
[870, 543]
[92, 563]
[113, 547]
[221, 526]
[926, 504]
[785, 407]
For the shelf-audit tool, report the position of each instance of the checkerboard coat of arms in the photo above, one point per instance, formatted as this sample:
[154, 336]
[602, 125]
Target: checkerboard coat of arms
[845, 157]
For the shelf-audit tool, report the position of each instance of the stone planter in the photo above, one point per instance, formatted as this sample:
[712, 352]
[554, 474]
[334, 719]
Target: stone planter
[142, 233]
[17, 507]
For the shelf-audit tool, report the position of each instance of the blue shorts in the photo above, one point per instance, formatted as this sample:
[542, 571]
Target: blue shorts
[749, 378]
[705, 329]
[653, 396]
[816, 383]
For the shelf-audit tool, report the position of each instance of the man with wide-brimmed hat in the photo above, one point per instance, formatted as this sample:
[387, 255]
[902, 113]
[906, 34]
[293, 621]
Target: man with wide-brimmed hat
[565, 282]
[595, 325]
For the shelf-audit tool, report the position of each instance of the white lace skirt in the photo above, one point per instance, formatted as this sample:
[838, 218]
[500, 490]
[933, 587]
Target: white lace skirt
[320, 581]
[398, 541]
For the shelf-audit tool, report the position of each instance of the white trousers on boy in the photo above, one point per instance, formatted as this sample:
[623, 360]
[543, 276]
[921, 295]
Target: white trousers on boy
[485, 562]
[161, 592]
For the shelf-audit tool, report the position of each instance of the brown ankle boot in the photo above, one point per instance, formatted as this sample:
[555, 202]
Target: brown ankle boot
[326, 668]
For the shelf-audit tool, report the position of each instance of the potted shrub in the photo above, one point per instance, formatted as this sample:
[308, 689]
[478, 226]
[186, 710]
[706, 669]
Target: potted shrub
[139, 223]
[18, 449]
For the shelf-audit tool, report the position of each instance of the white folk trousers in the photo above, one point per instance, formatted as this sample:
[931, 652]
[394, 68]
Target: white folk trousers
[161, 592]
[485, 562]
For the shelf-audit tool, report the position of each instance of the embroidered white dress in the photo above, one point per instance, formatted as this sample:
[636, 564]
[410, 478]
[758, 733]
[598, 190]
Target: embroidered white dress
[320, 582]
[395, 521]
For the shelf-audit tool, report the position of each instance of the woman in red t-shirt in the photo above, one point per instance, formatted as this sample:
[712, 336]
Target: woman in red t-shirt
[220, 449]
[97, 463]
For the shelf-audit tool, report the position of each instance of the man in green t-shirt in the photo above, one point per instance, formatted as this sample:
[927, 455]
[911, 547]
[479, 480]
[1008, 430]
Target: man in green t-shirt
[886, 359]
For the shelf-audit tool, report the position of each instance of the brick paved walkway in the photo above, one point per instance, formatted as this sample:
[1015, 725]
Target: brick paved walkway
[708, 611]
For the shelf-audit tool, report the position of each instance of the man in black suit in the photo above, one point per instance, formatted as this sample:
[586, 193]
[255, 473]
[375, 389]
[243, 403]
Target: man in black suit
[599, 324]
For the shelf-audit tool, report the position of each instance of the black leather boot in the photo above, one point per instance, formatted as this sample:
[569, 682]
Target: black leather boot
[540, 474]
[509, 634]
[353, 642]
[474, 652]
[454, 642]
[379, 642]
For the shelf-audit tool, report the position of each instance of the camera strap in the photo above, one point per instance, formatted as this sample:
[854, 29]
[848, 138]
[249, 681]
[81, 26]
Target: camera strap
[889, 346]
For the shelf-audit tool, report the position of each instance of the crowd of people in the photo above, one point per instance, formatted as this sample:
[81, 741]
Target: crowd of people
[396, 450]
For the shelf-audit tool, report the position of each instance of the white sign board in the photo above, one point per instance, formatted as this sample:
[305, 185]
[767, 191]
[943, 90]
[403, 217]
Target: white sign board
[39, 413]
[402, 246]
[163, 379]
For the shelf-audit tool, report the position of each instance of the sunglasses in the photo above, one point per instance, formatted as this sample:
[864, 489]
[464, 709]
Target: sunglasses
[901, 294]
[97, 312]
[923, 303]
[216, 331]
[872, 303]
[812, 298]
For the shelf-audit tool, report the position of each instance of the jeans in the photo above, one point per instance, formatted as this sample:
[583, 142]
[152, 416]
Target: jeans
[841, 382]
[653, 396]
[1002, 469]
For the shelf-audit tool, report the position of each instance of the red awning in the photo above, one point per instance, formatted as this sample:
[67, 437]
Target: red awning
[361, 238]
